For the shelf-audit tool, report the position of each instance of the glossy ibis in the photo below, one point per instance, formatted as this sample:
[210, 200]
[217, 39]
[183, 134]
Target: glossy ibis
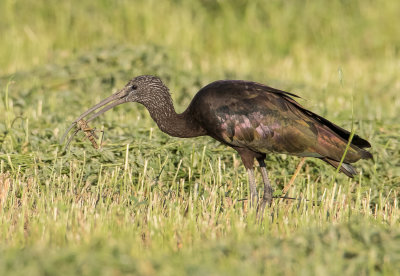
[252, 118]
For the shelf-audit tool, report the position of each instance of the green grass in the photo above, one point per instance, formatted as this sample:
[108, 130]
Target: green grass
[147, 203]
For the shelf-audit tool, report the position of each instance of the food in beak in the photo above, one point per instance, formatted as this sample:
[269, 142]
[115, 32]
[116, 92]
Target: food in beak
[118, 98]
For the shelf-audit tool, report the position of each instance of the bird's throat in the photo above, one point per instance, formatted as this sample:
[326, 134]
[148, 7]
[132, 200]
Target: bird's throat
[178, 125]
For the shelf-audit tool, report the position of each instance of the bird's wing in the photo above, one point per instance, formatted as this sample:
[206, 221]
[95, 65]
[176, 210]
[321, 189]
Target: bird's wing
[265, 124]
[269, 120]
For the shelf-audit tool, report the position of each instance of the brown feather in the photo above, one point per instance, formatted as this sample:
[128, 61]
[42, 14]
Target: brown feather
[264, 119]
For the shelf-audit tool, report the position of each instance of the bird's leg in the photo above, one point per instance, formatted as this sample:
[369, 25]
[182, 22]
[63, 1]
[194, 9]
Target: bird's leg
[253, 190]
[248, 162]
[267, 196]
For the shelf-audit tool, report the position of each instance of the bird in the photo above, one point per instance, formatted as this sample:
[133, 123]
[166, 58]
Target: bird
[252, 118]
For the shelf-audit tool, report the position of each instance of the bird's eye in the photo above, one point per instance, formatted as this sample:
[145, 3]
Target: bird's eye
[134, 87]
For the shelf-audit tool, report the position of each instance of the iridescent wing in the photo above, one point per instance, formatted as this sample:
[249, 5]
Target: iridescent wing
[263, 119]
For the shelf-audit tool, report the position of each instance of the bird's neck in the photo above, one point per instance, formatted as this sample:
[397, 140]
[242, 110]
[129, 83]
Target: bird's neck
[182, 125]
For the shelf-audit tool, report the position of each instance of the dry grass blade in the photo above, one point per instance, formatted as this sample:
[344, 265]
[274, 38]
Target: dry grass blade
[287, 187]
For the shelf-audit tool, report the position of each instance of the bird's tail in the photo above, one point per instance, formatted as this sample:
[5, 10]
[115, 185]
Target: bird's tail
[346, 168]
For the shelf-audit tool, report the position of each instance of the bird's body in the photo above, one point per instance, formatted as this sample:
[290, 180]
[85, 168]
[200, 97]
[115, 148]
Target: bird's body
[265, 120]
[252, 118]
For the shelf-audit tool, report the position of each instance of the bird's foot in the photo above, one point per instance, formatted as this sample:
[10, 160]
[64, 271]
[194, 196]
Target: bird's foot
[253, 201]
[261, 208]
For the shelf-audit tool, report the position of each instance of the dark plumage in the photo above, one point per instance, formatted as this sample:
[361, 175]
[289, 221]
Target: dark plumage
[252, 118]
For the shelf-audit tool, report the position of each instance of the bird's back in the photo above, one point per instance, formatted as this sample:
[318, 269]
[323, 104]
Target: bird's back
[264, 119]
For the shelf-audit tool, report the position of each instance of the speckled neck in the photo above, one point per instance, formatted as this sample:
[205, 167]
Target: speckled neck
[162, 111]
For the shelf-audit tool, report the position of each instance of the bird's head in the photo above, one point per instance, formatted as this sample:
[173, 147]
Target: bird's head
[141, 89]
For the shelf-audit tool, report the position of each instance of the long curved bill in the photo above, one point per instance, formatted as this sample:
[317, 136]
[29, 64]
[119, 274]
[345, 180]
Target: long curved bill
[117, 98]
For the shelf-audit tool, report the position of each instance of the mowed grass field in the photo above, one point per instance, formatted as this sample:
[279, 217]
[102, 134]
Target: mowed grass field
[150, 204]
